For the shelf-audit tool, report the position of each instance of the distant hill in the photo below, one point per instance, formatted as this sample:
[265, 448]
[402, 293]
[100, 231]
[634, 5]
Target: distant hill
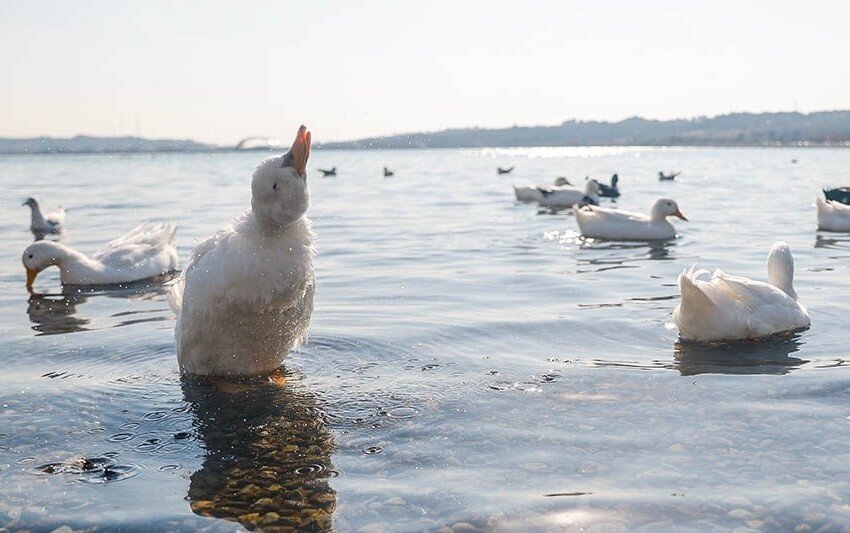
[825, 128]
[87, 144]
[735, 129]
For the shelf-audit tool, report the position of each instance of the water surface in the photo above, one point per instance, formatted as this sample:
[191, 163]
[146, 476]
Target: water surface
[472, 363]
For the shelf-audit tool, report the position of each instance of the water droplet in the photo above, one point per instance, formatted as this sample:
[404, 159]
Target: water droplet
[120, 437]
[310, 469]
[402, 412]
[500, 385]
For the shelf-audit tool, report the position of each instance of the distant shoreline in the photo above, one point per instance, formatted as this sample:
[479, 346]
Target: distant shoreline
[844, 145]
[735, 130]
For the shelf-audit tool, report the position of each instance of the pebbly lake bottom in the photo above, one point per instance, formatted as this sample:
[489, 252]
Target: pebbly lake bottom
[472, 363]
[566, 446]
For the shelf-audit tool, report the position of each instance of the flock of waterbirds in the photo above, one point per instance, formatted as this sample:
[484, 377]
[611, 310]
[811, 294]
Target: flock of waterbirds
[714, 306]
[245, 297]
[331, 172]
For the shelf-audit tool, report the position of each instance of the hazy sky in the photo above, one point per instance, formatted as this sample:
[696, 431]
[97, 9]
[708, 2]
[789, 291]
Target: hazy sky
[218, 71]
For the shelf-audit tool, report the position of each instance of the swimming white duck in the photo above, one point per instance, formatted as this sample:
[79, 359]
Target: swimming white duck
[832, 216]
[531, 193]
[721, 307]
[614, 224]
[246, 296]
[41, 223]
[145, 252]
[570, 196]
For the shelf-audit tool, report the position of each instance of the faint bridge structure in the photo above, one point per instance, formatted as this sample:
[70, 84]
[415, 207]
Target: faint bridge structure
[258, 143]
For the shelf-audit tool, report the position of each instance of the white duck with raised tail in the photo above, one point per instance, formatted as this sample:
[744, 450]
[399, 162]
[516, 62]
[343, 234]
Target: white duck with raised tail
[145, 252]
[719, 307]
[570, 196]
[246, 296]
[42, 224]
[832, 216]
[614, 224]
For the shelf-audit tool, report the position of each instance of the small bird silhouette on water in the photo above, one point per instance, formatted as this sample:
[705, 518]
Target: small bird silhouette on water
[388, 173]
[667, 177]
[330, 172]
[501, 170]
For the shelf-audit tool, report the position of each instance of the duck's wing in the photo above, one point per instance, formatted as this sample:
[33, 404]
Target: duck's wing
[141, 243]
[175, 287]
[56, 218]
[751, 293]
[762, 308]
[614, 216]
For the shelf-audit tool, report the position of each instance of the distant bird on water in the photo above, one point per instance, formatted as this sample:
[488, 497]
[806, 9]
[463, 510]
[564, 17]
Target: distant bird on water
[840, 194]
[40, 223]
[610, 191]
[326, 173]
[501, 170]
[388, 173]
[667, 177]
[564, 197]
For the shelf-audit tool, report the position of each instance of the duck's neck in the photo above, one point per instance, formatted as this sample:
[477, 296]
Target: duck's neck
[268, 227]
[657, 216]
[74, 267]
[780, 272]
[37, 217]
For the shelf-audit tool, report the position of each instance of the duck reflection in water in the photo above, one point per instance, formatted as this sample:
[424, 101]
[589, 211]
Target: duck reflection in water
[55, 314]
[58, 313]
[768, 356]
[620, 254]
[267, 461]
[832, 241]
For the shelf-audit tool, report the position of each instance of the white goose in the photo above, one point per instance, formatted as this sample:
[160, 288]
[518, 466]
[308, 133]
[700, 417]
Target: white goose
[614, 224]
[145, 252]
[832, 216]
[41, 223]
[246, 296]
[531, 193]
[570, 196]
[720, 307]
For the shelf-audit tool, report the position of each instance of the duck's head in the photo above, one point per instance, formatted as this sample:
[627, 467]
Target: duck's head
[38, 256]
[665, 207]
[560, 181]
[614, 179]
[30, 202]
[279, 193]
[591, 187]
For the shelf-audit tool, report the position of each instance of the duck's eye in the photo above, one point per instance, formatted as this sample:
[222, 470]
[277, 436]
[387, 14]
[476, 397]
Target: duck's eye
[274, 186]
[30, 256]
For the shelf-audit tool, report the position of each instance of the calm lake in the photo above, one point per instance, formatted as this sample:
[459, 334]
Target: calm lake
[472, 363]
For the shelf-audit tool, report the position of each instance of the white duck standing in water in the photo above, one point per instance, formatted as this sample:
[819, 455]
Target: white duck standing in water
[145, 252]
[614, 224]
[246, 296]
[720, 307]
[42, 224]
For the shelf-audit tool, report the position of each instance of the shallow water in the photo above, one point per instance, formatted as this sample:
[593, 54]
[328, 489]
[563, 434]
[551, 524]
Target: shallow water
[472, 363]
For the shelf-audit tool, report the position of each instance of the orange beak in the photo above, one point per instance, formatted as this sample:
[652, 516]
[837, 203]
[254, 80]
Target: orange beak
[31, 274]
[680, 215]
